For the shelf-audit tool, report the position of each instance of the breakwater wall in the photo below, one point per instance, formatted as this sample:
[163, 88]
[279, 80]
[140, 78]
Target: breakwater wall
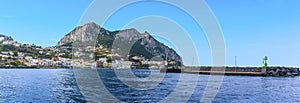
[257, 71]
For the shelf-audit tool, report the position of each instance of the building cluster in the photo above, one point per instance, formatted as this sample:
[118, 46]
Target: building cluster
[8, 41]
[13, 59]
[14, 54]
[117, 63]
[102, 57]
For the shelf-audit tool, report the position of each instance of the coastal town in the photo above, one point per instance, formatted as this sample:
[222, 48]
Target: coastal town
[72, 52]
[14, 54]
[18, 55]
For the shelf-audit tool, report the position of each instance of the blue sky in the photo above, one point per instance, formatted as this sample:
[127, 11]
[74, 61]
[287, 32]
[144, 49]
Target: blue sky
[40, 22]
[254, 28]
[251, 28]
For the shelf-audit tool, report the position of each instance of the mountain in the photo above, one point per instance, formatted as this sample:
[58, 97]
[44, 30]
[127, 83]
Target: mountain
[8, 44]
[124, 42]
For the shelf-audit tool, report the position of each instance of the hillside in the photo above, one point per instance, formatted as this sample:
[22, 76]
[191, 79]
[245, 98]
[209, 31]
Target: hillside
[142, 44]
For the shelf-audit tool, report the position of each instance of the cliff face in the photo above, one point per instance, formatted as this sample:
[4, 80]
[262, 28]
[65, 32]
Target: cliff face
[128, 41]
[84, 33]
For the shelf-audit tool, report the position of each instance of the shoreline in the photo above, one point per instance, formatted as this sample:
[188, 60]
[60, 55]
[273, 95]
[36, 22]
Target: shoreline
[33, 67]
[210, 70]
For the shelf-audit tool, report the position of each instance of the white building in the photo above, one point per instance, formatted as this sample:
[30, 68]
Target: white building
[2, 39]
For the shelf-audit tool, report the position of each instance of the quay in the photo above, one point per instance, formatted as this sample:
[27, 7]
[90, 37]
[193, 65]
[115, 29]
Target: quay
[241, 71]
[225, 73]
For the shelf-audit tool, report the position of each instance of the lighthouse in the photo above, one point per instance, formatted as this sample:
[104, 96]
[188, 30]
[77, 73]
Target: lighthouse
[265, 61]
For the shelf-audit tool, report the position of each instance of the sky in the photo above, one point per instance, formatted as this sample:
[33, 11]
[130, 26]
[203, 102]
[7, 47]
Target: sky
[252, 29]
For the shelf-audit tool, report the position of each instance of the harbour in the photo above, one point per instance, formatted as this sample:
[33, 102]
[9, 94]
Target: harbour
[265, 70]
[241, 71]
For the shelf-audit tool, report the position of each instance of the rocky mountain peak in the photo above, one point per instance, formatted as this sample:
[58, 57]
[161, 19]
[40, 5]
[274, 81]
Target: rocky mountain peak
[87, 32]
[144, 43]
[91, 25]
[146, 33]
[128, 33]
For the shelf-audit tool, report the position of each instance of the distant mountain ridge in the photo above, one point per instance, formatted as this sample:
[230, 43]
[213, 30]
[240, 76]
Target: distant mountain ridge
[142, 43]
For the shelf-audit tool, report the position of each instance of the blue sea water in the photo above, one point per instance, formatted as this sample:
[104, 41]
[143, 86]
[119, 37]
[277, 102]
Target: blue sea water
[68, 85]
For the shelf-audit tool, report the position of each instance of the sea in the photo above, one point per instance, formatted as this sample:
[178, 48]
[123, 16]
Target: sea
[140, 85]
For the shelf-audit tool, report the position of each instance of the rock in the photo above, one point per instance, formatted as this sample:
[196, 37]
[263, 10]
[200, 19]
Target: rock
[141, 43]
